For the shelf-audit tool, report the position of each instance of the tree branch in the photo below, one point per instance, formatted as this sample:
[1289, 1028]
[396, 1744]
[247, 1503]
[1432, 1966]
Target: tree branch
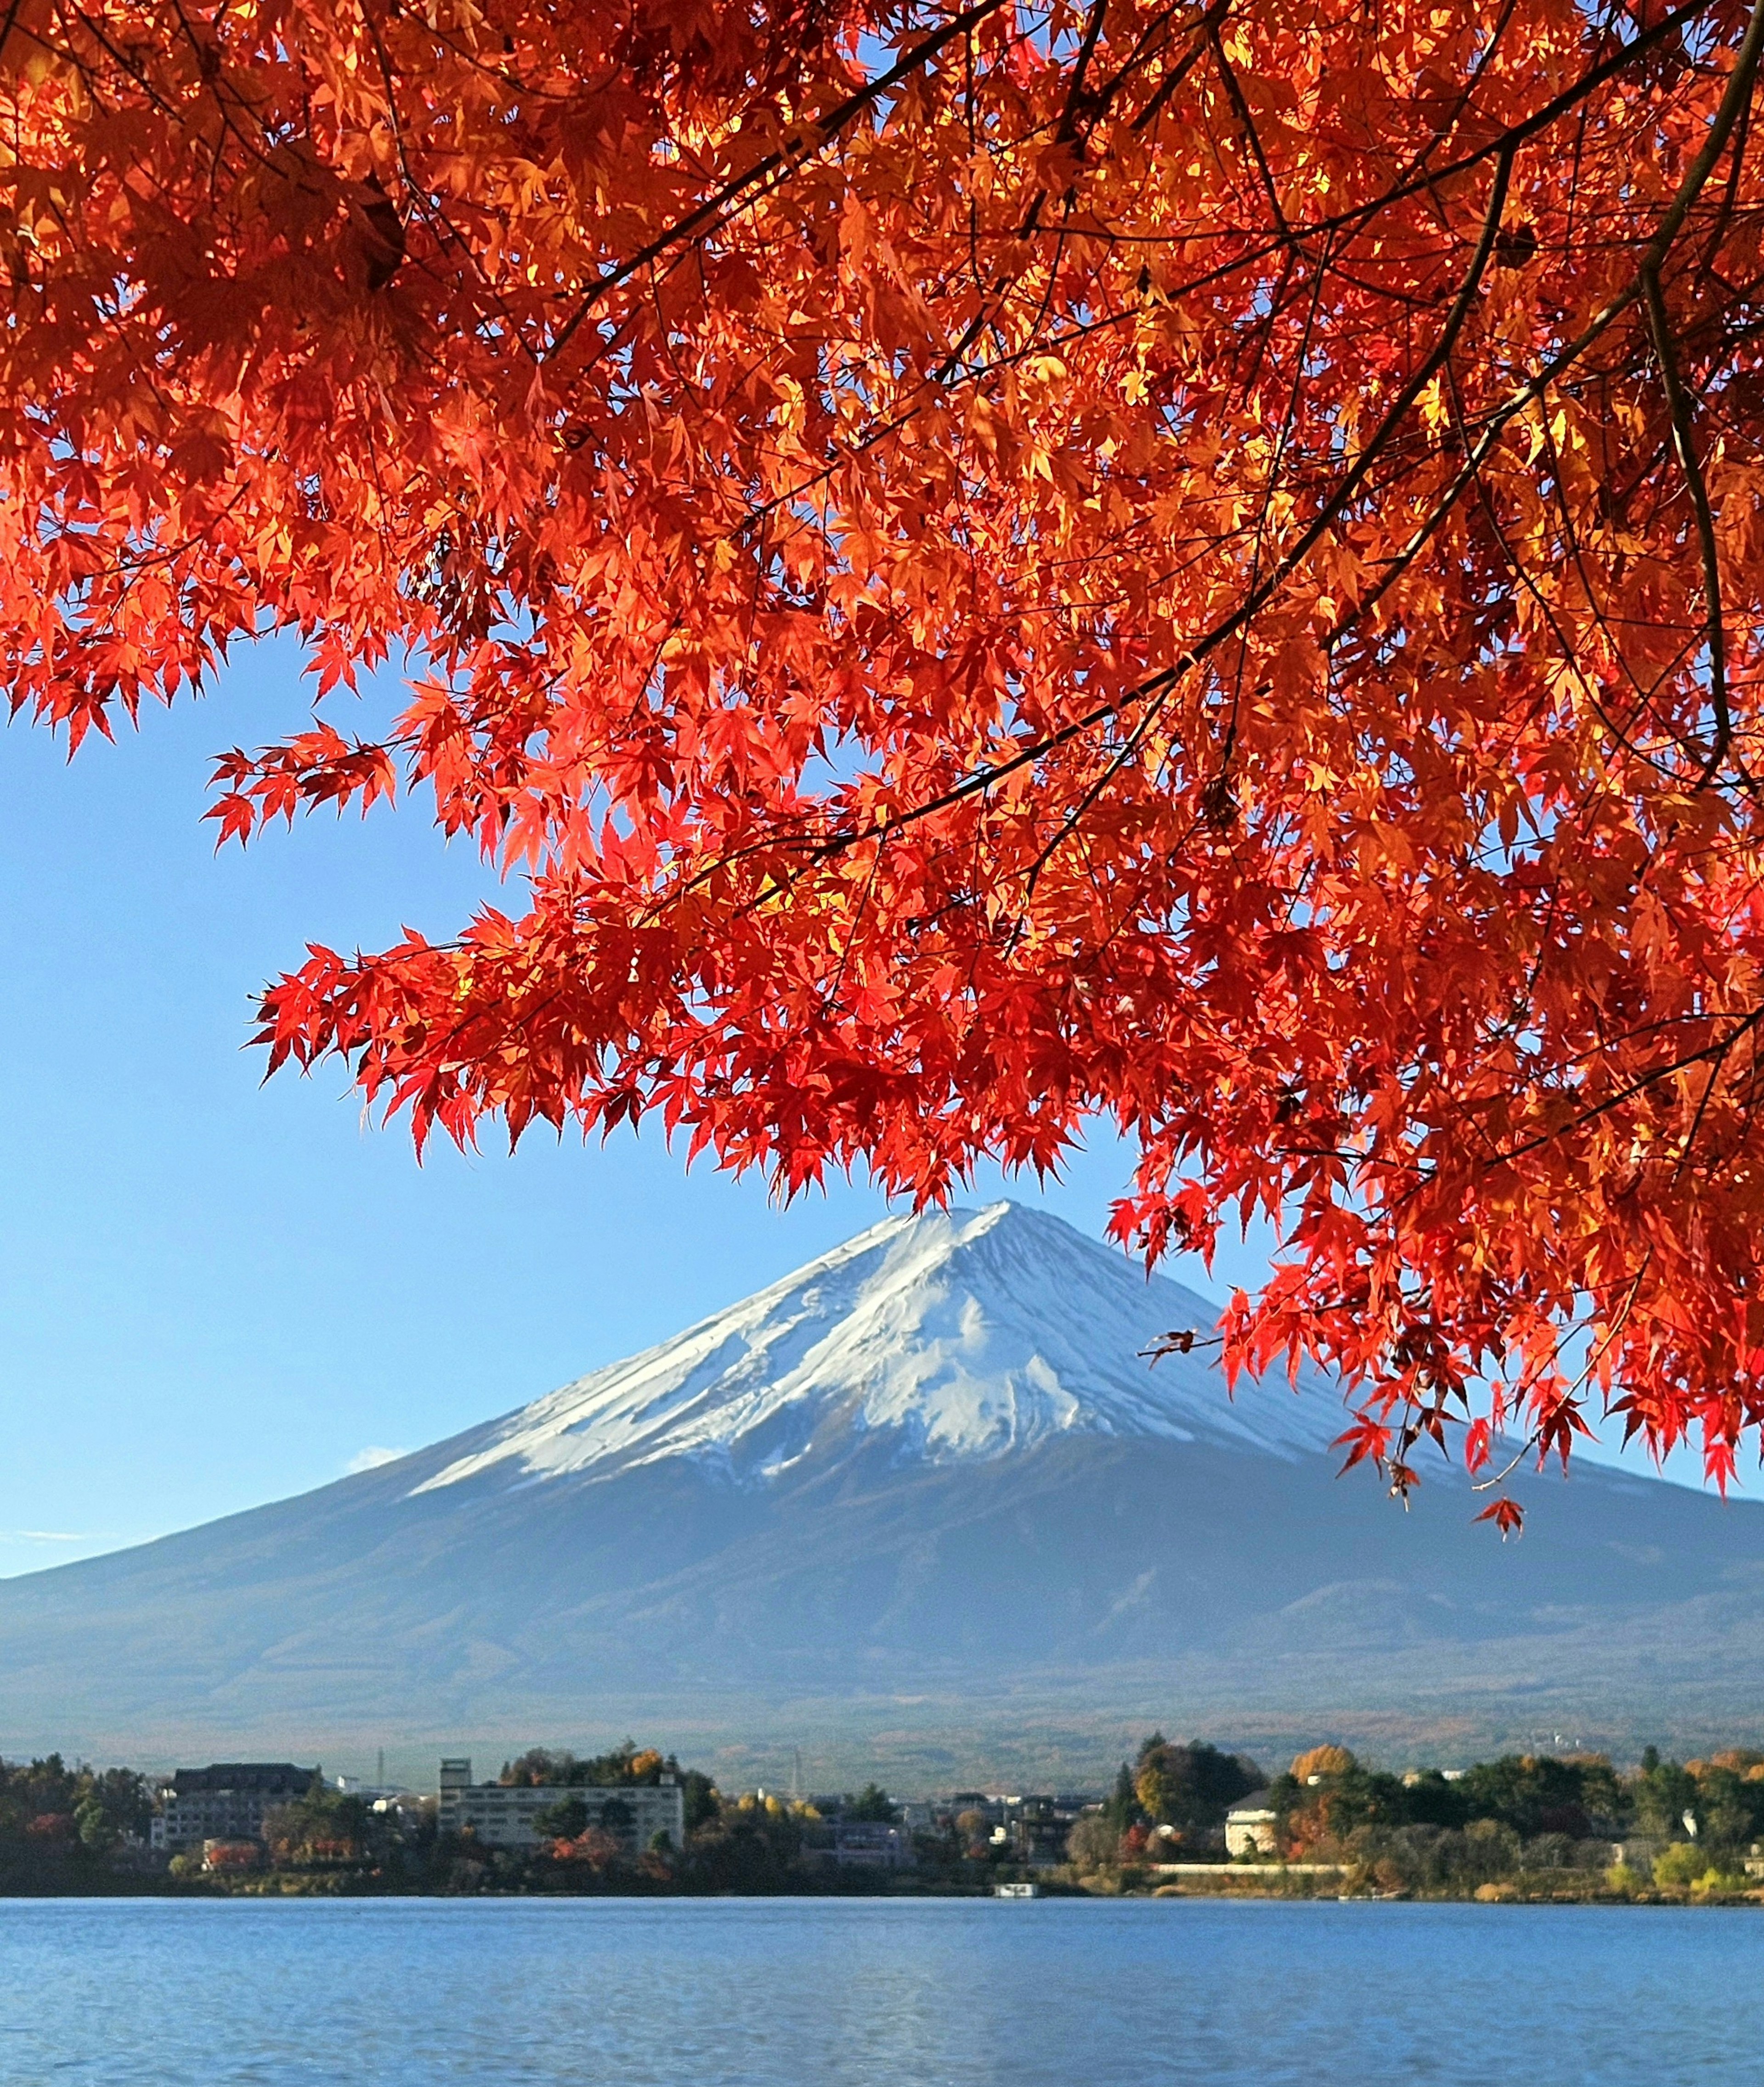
[1685, 443]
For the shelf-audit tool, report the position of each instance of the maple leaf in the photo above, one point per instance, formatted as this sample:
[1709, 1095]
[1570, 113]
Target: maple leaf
[1365, 1440]
[1506, 1515]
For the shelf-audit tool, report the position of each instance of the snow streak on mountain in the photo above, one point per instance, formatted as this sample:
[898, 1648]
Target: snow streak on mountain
[964, 1334]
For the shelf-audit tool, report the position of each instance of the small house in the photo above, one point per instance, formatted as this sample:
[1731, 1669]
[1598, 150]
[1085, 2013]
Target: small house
[1250, 1826]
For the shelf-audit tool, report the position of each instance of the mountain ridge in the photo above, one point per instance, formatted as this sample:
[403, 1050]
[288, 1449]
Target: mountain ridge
[926, 1486]
[915, 1325]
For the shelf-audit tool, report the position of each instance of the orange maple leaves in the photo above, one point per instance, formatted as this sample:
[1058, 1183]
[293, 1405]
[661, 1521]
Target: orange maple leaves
[1201, 565]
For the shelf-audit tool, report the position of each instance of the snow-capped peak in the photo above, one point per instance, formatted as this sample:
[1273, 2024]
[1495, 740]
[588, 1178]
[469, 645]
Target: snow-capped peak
[961, 1334]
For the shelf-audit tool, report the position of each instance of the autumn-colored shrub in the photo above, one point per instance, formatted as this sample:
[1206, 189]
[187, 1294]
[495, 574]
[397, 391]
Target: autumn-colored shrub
[1324, 1761]
[1740, 1761]
[1092, 1844]
[596, 1851]
[1679, 1867]
[1684, 1867]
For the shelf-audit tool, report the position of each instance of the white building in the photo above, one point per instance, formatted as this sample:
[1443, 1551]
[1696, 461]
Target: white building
[1250, 1826]
[502, 1816]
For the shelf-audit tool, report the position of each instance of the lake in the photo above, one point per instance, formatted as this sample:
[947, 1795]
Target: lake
[916, 1993]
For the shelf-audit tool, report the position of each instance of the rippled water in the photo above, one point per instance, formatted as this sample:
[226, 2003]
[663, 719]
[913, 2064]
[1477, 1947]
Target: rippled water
[793, 1993]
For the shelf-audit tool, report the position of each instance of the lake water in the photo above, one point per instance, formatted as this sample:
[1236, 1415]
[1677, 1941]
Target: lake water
[925, 1993]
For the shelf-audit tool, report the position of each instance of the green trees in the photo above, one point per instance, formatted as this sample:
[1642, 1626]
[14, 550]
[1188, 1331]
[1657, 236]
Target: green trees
[1327, 1795]
[1124, 1811]
[1662, 1793]
[94, 1830]
[701, 1799]
[1534, 1794]
[1531, 1795]
[324, 1829]
[1176, 1795]
[753, 1845]
[627, 1766]
[562, 1821]
[1728, 1808]
[1190, 1787]
[537, 1766]
[1534, 1815]
[59, 1824]
[615, 1817]
[1429, 1800]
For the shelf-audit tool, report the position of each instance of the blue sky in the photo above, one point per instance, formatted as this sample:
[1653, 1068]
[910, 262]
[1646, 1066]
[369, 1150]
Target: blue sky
[214, 1292]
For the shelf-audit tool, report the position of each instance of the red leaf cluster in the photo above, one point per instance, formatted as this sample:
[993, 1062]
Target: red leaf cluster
[1197, 564]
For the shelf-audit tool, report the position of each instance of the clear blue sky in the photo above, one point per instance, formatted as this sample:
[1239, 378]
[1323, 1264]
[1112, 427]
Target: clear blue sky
[215, 1293]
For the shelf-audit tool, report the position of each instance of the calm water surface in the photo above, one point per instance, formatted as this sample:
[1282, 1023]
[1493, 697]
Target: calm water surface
[793, 1993]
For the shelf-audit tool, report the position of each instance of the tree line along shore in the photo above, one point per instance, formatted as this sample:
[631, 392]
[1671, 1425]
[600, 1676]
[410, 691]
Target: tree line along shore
[1526, 1826]
[1181, 1819]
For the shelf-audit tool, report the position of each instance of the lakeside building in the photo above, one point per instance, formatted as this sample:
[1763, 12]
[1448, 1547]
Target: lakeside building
[1033, 1826]
[505, 1815]
[1040, 1827]
[1250, 1826]
[863, 1844]
[226, 1801]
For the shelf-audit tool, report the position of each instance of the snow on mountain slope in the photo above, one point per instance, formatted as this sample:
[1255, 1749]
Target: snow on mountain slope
[960, 1334]
[963, 1510]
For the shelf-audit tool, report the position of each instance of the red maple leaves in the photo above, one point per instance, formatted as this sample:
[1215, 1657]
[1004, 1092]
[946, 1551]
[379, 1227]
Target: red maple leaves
[980, 569]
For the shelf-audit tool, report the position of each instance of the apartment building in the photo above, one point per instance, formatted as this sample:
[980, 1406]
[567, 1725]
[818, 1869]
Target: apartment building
[226, 1801]
[504, 1816]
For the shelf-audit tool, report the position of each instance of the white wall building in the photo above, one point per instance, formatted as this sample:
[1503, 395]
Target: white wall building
[503, 1816]
[226, 1802]
[1250, 1826]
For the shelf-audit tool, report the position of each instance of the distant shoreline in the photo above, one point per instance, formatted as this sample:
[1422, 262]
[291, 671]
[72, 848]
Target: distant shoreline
[1280, 1887]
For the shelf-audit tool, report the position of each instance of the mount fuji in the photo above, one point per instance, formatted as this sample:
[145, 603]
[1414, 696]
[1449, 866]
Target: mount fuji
[922, 1502]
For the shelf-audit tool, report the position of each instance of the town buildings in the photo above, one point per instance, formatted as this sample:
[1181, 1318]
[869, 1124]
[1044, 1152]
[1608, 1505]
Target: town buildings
[1041, 1826]
[1031, 1828]
[863, 1844]
[505, 1815]
[225, 1801]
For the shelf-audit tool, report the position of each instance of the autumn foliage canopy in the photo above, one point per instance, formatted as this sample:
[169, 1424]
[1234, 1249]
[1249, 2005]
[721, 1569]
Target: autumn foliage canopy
[981, 569]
